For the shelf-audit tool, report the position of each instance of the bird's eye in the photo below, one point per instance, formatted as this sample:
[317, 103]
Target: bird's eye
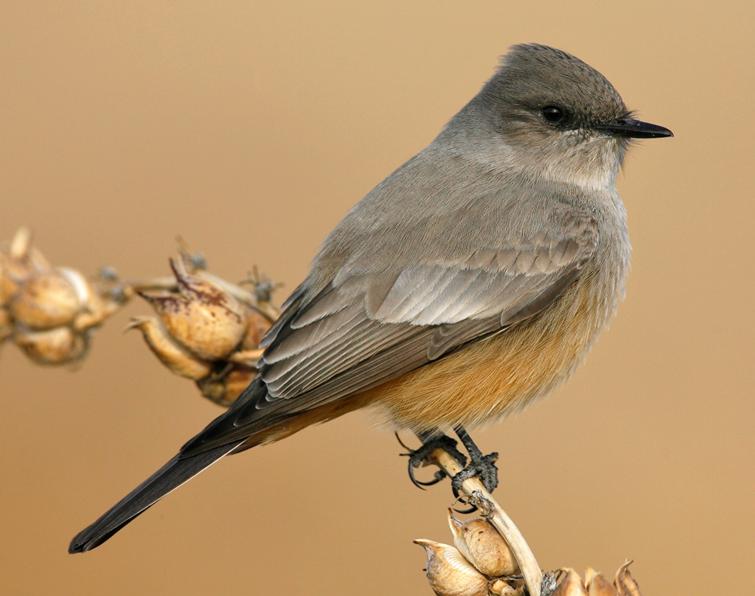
[553, 114]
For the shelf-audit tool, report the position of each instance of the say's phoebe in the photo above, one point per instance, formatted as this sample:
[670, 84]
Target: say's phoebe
[466, 284]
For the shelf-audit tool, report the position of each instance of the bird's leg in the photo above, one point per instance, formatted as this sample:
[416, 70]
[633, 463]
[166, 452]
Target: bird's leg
[422, 456]
[482, 466]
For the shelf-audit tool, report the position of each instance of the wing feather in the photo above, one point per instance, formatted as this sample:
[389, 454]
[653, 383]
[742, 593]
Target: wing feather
[366, 326]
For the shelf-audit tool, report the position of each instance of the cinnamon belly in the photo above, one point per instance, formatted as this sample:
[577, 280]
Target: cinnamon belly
[486, 379]
[492, 377]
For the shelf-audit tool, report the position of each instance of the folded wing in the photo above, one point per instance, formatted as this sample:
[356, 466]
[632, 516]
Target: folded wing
[366, 328]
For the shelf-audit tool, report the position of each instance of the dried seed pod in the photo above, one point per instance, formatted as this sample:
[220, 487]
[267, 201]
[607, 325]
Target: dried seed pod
[170, 353]
[483, 546]
[625, 583]
[449, 572]
[94, 313]
[502, 588]
[203, 318]
[20, 246]
[18, 262]
[99, 299]
[569, 584]
[248, 358]
[597, 585]
[53, 346]
[257, 326]
[13, 274]
[45, 301]
[8, 286]
[80, 284]
[590, 573]
[224, 389]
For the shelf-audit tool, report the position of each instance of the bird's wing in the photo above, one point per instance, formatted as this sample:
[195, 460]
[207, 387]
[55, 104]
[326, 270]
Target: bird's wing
[366, 328]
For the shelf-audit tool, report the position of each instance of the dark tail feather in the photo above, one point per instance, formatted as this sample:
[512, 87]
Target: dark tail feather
[172, 475]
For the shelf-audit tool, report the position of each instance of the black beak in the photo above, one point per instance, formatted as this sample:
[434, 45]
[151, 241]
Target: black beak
[628, 127]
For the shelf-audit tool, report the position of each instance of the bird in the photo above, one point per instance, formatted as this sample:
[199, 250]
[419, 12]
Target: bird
[468, 283]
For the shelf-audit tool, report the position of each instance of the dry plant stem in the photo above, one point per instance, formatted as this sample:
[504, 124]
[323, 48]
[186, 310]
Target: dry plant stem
[478, 495]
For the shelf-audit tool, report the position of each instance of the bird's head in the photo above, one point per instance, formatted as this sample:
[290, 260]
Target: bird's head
[558, 117]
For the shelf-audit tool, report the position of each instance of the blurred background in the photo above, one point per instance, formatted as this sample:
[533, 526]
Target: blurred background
[250, 128]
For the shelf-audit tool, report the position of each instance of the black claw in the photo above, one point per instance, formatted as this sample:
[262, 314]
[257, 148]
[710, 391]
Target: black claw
[471, 509]
[437, 477]
[421, 484]
[421, 457]
[400, 442]
[410, 471]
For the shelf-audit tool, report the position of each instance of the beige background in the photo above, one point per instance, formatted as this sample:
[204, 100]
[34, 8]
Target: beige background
[250, 128]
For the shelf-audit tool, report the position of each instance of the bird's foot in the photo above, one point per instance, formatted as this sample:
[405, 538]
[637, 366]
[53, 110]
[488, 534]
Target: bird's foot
[481, 466]
[422, 456]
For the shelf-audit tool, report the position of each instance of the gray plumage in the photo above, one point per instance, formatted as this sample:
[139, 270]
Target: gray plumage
[495, 222]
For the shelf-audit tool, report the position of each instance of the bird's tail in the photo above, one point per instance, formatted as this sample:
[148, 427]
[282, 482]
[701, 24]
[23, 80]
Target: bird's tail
[172, 475]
